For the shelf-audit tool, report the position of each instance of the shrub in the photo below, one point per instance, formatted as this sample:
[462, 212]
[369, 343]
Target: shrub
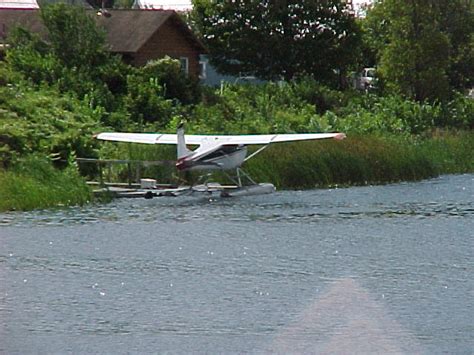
[45, 122]
[265, 108]
[145, 101]
[457, 113]
[391, 114]
[176, 84]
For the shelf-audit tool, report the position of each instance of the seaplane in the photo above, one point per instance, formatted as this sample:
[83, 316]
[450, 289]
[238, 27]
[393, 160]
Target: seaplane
[214, 152]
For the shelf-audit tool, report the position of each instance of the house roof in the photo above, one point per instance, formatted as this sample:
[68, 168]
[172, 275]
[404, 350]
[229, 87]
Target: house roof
[127, 30]
[26, 18]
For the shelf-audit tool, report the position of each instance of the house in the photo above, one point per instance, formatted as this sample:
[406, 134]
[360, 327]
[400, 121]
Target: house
[137, 35]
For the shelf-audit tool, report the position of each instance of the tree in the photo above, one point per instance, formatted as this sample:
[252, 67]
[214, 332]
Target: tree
[278, 39]
[457, 22]
[74, 57]
[374, 34]
[74, 37]
[415, 62]
[29, 55]
[424, 48]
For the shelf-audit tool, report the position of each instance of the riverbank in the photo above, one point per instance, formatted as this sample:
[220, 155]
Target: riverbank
[35, 184]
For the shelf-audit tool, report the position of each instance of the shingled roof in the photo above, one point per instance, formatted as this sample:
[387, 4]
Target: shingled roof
[26, 18]
[127, 30]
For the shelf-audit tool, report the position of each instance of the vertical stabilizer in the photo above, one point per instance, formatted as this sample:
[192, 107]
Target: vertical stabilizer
[183, 151]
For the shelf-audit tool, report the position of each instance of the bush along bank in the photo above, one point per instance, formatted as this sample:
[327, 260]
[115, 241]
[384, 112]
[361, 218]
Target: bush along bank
[34, 184]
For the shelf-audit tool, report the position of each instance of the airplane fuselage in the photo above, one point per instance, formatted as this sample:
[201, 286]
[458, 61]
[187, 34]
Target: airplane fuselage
[227, 157]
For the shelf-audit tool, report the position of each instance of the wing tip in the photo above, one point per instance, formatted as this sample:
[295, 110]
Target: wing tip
[340, 136]
[100, 136]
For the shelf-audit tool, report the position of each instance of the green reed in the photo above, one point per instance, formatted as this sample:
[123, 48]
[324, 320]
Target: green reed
[363, 160]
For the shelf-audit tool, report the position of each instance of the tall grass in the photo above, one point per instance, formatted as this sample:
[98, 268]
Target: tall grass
[363, 160]
[450, 152]
[35, 183]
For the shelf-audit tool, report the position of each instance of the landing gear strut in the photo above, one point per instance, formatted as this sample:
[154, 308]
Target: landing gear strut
[240, 176]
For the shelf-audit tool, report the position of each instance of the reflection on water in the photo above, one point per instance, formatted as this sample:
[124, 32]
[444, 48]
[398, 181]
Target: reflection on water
[345, 319]
[384, 269]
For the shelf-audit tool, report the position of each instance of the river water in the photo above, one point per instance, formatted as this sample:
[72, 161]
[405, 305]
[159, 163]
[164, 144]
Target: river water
[380, 269]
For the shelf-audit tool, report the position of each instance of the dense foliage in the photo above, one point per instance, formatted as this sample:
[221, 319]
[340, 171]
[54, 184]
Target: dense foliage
[278, 39]
[44, 121]
[74, 59]
[302, 106]
[362, 160]
[424, 49]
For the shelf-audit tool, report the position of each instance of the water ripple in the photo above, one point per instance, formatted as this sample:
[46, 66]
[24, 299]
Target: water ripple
[439, 198]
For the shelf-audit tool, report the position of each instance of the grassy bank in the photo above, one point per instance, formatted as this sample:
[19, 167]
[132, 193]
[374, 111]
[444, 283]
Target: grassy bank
[35, 183]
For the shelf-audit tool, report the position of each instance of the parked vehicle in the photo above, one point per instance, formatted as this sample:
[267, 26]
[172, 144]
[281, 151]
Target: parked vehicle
[366, 79]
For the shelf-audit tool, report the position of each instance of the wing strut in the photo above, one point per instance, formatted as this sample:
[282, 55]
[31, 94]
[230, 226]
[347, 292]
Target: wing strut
[256, 152]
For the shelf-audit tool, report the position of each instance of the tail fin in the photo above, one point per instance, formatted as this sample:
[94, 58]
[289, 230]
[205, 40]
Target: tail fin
[182, 150]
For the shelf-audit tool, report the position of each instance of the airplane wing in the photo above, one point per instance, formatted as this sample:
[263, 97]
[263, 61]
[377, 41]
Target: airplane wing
[275, 138]
[258, 139]
[147, 138]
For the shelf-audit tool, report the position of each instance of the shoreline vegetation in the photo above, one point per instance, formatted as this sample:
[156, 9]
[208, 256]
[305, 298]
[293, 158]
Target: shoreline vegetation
[36, 184]
[364, 160]
[56, 94]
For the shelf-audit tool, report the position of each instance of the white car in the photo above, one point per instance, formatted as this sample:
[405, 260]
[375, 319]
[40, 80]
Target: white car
[367, 79]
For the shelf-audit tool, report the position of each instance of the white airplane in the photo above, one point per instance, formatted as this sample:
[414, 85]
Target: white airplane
[215, 152]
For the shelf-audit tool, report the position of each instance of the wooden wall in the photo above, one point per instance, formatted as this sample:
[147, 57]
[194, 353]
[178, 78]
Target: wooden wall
[169, 40]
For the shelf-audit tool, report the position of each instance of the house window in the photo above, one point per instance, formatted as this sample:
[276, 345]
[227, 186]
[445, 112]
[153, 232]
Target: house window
[184, 64]
[202, 69]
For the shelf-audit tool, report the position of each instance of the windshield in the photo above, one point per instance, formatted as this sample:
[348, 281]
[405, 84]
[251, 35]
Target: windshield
[370, 72]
